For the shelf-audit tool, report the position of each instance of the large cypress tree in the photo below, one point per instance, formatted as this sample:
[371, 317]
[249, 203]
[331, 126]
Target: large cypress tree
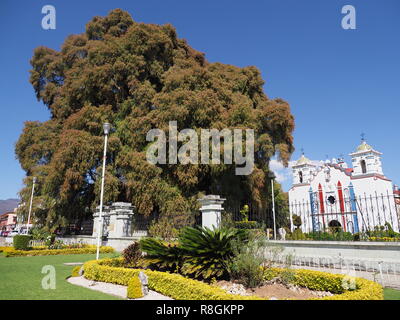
[140, 76]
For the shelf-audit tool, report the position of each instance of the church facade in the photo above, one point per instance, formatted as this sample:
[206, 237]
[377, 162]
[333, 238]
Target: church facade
[332, 194]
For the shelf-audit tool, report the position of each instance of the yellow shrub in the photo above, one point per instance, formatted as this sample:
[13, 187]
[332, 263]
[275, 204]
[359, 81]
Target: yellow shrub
[172, 285]
[75, 271]
[48, 252]
[134, 288]
[181, 288]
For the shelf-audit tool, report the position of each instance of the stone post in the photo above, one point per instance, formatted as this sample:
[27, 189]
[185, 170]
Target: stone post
[121, 216]
[211, 208]
[105, 216]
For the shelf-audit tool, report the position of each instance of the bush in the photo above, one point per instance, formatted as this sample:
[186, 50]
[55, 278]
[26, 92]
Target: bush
[46, 252]
[246, 224]
[200, 252]
[245, 265]
[172, 285]
[134, 290]
[132, 255]
[180, 288]
[207, 252]
[297, 234]
[331, 236]
[162, 255]
[75, 271]
[163, 229]
[21, 242]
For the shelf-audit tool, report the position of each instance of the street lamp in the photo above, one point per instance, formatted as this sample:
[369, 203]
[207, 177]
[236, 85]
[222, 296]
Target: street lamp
[106, 129]
[272, 176]
[30, 205]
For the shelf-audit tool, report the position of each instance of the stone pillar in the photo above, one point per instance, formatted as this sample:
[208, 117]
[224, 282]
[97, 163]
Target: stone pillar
[105, 217]
[211, 208]
[121, 216]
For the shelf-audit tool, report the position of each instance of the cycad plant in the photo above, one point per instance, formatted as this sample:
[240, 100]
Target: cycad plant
[207, 251]
[161, 255]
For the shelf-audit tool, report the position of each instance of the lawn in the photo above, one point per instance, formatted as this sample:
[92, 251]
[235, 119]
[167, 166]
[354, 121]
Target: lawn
[391, 294]
[21, 278]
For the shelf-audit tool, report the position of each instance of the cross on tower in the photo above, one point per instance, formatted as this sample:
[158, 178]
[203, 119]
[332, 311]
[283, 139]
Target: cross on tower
[362, 136]
[302, 151]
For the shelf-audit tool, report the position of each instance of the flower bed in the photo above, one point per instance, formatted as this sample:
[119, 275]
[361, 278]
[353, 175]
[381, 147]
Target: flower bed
[11, 252]
[181, 288]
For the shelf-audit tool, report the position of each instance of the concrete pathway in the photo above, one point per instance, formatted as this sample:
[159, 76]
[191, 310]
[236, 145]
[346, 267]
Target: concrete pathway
[113, 289]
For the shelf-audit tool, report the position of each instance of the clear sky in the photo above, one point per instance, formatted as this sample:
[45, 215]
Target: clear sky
[338, 82]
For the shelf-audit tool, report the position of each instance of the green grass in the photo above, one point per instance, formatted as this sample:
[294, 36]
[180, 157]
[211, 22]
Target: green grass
[21, 279]
[391, 294]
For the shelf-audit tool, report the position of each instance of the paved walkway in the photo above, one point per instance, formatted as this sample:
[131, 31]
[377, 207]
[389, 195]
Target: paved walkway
[113, 289]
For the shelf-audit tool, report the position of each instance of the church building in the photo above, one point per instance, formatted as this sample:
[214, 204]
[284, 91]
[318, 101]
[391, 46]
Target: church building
[331, 194]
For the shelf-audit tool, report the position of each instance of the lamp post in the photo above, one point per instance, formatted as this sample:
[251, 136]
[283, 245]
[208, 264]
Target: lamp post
[106, 128]
[30, 205]
[272, 176]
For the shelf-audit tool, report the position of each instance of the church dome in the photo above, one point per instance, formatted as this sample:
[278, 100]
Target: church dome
[363, 147]
[302, 160]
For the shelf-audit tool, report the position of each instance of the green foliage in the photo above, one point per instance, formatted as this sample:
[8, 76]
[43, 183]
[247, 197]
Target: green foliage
[39, 233]
[385, 231]
[139, 76]
[163, 228]
[331, 236]
[297, 221]
[134, 290]
[172, 285]
[206, 251]
[200, 252]
[21, 242]
[132, 255]
[244, 212]
[162, 255]
[246, 224]
[246, 264]
[181, 288]
[297, 234]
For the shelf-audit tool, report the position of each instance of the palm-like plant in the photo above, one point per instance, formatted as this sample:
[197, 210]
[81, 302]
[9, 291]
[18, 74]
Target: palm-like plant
[161, 255]
[207, 251]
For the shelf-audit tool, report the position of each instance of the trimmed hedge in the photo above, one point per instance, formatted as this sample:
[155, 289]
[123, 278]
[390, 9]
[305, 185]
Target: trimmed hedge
[246, 224]
[323, 281]
[21, 241]
[49, 252]
[181, 288]
[172, 285]
[75, 271]
[134, 290]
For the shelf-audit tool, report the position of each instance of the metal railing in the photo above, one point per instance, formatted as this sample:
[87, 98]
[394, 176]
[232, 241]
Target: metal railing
[371, 212]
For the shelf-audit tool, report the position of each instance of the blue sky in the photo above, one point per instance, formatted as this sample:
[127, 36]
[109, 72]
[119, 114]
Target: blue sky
[338, 82]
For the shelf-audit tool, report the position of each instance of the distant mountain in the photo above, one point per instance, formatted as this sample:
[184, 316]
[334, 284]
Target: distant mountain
[8, 205]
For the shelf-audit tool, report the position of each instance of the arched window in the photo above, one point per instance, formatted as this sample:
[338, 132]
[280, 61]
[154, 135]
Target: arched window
[363, 166]
[301, 177]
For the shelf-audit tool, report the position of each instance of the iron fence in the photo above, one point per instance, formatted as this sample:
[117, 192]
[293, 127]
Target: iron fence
[358, 214]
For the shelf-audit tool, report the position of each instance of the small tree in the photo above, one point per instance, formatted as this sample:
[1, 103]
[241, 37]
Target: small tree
[297, 221]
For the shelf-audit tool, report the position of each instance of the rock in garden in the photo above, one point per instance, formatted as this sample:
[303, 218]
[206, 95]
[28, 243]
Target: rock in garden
[145, 282]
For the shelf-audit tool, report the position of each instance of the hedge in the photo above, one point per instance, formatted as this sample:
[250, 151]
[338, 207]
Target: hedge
[171, 285]
[181, 288]
[246, 224]
[75, 271]
[11, 252]
[323, 281]
[21, 241]
[134, 290]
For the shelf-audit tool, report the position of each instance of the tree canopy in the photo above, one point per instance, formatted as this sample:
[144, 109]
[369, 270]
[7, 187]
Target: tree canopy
[140, 76]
